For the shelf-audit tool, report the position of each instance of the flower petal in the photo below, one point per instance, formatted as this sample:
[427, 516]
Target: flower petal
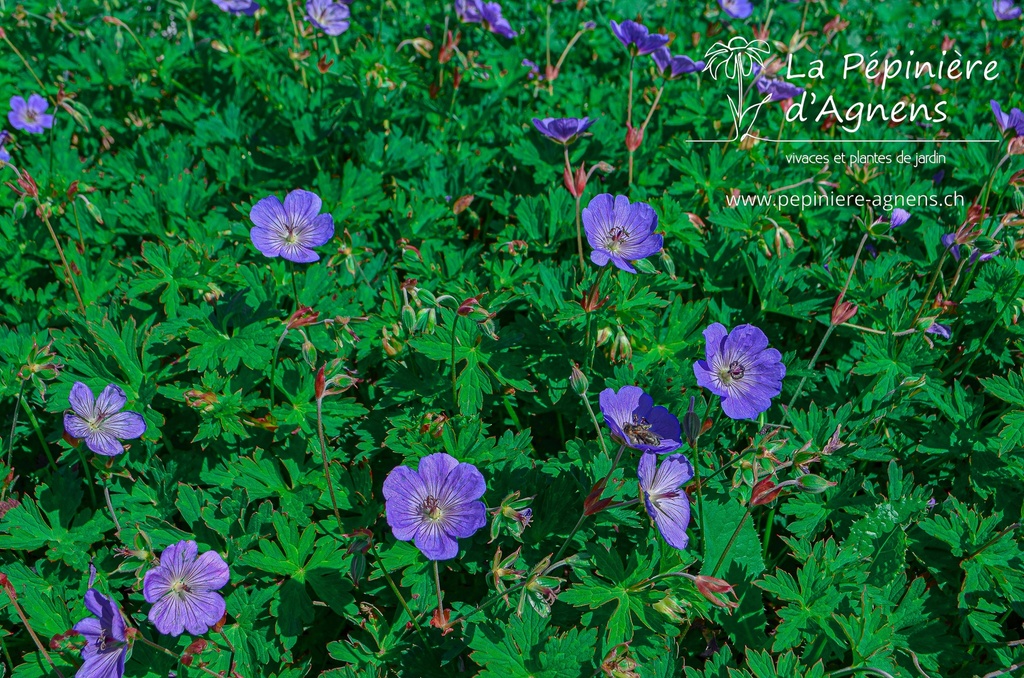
[434, 469]
[269, 213]
[435, 544]
[103, 443]
[302, 206]
[208, 573]
[111, 400]
[124, 425]
[464, 519]
[82, 401]
[75, 426]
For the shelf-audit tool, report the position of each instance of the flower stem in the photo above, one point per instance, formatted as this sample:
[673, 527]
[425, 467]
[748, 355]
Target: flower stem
[110, 507]
[14, 425]
[931, 286]
[273, 371]
[64, 261]
[440, 603]
[24, 61]
[565, 544]
[295, 287]
[629, 117]
[323, 457]
[231, 669]
[732, 540]
[455, 396]
[398, 594]
[493, 599]
[88, 474]
[9, 590]
[161, 648]
[39, 433]
[579, 229]
[597, 426]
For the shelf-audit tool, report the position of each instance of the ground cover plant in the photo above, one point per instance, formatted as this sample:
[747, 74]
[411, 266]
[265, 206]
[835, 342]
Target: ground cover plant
[421, 339]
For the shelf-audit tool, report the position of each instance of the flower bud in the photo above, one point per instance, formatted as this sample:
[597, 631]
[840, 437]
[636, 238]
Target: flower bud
[634, 137]
[668, 264]
[426, 320]
[304, 316]
[709, 586]
[408, 317]
[581, 180]
[603, 336]
[670, 608]
[309, 353]
[462, 204]
[1015, 146]
[813, 484]
[764, 492]
[319, 384]
[842, 311]
[622, 348]
[691, 424]
[578, 380]
[392, 347]
[569, 181]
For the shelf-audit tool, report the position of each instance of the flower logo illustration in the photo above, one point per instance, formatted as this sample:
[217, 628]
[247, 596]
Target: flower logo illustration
[738, 59]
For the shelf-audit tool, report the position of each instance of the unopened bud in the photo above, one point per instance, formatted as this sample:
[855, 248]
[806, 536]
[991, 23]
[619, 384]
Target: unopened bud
[392, 347]
[709, 586]
[426, 320]
[1016, 146]
[764, 492]
[634, 137]
[578, 380]
[813, 484]
[691, 424]
[668, 264]
[408, 317]
[320, 383]
[304, 316]
[462, 203]
[603, 336]
[842, 311]
[569, 181]
[622, 348]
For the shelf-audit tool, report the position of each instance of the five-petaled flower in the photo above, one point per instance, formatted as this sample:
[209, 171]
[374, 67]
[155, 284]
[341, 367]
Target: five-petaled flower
[100, 422]
[106, 645]
[637, 423]
[740, 369]
[183, 589]
[637, 38]
[665, 500]
[563, 130]
[30, 116]
[436, 504]
[237, 7]
[329, 16]
[486, 13]
[291, 230]
[620, 232]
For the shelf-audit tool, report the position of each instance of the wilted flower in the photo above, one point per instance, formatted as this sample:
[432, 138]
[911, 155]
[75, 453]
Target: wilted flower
[1005, 10]
[673, 67]
[100, 422]
[30, 116]
[486, 13]
[898, 217]
[1013, 120]
[737, 9]
[941, 330]
[637, 39]
[563, 130]
[666, 501]
[741, 369]
[620, 232]
[183, 589]
[637, 423]
[105, 643]
[436, 504]
[292, 229]
[329, 16]
[236, 7]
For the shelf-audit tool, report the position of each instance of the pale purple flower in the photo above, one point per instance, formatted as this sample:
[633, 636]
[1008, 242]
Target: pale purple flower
[737, 9]
[777, 88]
[534, 73]
[949, 243]
[329, 16]
[183, 590]
[637, 39]
[898, 217]
[740, 369]
[563, 130]
[664, 497]
[941, 330]
[5, 155]
[620, 232]
[673, 67]
[486, 13]
[435, 505]
[1013, 120]
[106, 645]
[237, 7]
[291, 230]
[30, 116]
[637, 423]
[100, 422]
[1005, 10]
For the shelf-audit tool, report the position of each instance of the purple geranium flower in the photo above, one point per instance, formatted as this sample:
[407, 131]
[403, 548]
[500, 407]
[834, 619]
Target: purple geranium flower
[237, 7]
[563, 130]
[637, 39]
[183, 589]
[941, 330]
[1005, 10]
[30, 116]
[898, 217]
[666, 501]
[100, 422]
[949, 242]
[292, 229]
[737, 9]
[637, 423]
[486, 13]
[534, 73]
[106, 646]
[5, 155]
[740, 369]
[620, 232]
[673, 67]
[435, 505]
[329, 16]
[777, 88]
[1013, 120]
